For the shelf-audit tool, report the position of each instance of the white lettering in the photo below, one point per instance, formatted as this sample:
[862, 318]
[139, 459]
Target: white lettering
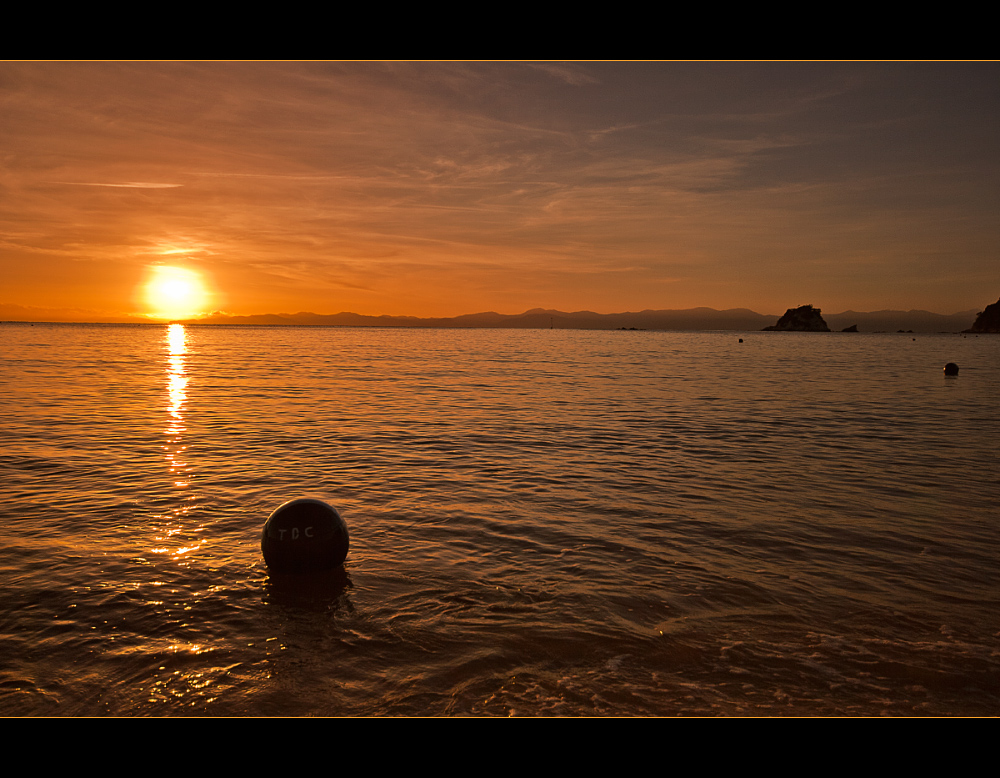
[295, 532]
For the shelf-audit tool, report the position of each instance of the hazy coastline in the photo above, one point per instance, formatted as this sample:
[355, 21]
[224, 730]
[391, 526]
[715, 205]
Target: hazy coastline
[690, 319]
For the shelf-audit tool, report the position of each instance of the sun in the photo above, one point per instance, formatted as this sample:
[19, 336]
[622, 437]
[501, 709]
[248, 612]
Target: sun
[175, 293]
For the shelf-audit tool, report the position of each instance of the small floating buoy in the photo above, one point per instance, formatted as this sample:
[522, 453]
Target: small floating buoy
[951, 369]
[741, 340]
[303, 536]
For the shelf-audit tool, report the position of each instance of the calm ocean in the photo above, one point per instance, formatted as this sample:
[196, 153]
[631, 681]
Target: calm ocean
[543, 522]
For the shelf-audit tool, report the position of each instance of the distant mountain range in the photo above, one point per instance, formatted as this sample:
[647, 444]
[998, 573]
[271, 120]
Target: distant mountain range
[742, 319]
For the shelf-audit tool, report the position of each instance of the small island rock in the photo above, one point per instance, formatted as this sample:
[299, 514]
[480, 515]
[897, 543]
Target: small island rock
[805, 318]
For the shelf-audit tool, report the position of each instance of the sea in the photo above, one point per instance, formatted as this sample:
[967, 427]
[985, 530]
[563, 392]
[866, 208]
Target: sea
[542, 523]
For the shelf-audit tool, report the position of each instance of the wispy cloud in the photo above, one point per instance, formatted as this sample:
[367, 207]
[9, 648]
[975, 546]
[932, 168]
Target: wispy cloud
[124, 185]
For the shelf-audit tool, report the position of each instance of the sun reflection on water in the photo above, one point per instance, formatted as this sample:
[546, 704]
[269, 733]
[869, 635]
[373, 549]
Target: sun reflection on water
[177, 381]
[175, 447]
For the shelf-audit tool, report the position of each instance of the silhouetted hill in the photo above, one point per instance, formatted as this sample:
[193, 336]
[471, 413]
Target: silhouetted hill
[892, 321]
[988, 320]
[741, 319]
[9, 312]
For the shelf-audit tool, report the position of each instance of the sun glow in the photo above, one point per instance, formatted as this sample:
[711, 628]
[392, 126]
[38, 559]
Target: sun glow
[175, 293]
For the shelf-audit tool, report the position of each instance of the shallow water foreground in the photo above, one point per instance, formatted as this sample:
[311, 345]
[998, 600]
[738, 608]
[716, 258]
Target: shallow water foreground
[542, 522]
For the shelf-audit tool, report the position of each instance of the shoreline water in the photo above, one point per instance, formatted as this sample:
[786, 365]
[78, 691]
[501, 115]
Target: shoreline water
[571, 523]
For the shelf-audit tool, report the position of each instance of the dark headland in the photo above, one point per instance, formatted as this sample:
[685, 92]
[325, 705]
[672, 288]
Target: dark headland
[988, 320]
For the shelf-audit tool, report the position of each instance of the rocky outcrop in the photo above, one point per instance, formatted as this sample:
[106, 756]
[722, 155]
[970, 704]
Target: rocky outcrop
[852, 328]
[805, 318]
[988, 320]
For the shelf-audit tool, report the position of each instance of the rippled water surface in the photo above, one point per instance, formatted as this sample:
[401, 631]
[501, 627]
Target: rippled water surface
[542, 522]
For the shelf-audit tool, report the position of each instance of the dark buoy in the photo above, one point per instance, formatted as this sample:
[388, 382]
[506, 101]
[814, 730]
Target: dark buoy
[951, 369]
[304, 536]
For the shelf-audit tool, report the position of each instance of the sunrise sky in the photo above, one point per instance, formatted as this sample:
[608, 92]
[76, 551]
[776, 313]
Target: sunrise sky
[442, 188]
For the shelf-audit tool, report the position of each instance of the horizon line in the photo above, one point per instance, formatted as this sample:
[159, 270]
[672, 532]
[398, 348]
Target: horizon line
[464, 320]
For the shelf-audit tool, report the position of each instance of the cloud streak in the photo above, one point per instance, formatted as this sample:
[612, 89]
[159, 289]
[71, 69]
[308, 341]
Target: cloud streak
[126, 185]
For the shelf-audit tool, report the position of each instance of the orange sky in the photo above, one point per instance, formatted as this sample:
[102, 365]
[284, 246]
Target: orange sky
[436, 189]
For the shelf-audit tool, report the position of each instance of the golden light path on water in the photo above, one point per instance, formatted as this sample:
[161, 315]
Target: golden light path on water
[175, 447]
[171, 536]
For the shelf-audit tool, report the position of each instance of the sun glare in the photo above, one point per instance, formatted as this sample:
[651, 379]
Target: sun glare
[175, 293]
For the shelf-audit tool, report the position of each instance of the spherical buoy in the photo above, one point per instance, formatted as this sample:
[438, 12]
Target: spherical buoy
[304, 535]
[951, 369]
